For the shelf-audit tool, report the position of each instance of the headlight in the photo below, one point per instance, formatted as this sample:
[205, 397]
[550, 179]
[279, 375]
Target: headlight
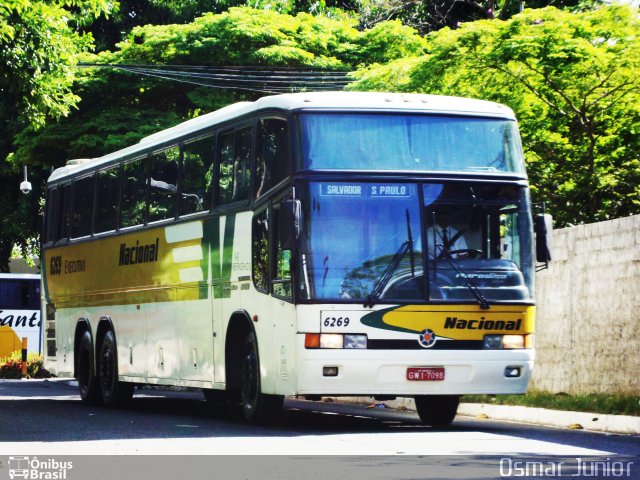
[512, 341]
[507, 342]
[355, 341]
[331, 340]
[492, 342]
[335, 340]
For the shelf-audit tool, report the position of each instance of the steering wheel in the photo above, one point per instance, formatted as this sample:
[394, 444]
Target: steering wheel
[467, 252]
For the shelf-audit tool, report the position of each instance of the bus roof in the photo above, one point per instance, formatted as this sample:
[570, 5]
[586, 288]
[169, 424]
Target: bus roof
[20, 276]
[336, 101]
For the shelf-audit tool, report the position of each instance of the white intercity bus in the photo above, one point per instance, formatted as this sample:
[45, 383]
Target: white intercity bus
[20, 313]
[304, 244]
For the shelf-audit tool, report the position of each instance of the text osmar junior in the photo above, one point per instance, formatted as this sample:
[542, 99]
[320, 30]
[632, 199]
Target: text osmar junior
[578, 468]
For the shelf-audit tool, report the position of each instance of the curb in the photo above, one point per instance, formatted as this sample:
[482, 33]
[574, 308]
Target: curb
[37, 381]
[596, 422]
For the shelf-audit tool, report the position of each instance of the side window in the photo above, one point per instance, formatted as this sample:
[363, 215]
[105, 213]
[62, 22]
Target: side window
[235, 166]
[242, 164]
[282, 267]
[63, 208]
[225, 169]
[163, 193]
[82, 216]
[260, 247]
[272, 155]
[107, 196]
[133, 206]
[509, 238]
[19, 294]
[50, 215]
[197, 176]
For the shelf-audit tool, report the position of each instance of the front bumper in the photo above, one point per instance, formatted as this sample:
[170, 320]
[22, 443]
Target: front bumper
[383, 372]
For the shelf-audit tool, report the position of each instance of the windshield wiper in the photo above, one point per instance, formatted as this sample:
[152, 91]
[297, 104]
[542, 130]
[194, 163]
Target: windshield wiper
[412, 256]
[484, 303]
[382, 282]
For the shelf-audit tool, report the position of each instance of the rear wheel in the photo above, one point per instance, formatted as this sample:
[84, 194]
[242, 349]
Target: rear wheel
[114, 393]
[86, 373]
[437, 410]
[258, 408]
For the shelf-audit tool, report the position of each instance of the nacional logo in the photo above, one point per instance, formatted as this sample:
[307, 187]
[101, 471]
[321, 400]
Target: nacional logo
[427, 338]
[134, 254]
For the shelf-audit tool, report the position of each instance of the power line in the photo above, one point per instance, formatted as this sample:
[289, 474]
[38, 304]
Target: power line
[212, 68]
[251, 78]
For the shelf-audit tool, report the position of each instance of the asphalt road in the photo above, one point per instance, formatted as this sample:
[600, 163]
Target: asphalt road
[47, 417]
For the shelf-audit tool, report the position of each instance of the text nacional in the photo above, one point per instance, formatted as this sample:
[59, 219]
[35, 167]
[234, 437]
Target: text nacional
[481, 324]
[134, 254]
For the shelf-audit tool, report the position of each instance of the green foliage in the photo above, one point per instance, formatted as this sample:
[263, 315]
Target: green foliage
[118, 109]
[39, 46]
[424, 16]
[245, 36]
[389, 41]
[571, 78]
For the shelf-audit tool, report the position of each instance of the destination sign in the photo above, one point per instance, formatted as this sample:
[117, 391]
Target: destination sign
[366, 190]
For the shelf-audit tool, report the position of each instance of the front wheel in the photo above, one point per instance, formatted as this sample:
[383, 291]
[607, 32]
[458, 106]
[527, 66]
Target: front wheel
[258, 408]
[437, 410]
[114, 392]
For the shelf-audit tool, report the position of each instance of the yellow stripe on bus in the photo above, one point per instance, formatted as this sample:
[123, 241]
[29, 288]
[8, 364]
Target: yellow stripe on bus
[463, 322]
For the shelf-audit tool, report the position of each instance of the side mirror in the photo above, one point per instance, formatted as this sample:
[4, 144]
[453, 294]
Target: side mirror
[543, 226]
[289, 215]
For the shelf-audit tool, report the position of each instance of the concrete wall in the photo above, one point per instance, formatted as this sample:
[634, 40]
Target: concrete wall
[19, 265]
[588, 317]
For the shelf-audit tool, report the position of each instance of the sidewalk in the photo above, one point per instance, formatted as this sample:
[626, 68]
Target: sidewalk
[599, 422]
[622, 424]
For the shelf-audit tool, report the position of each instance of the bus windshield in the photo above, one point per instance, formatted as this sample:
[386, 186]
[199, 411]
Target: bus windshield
[461, 242]
[19, 293]
[359, 141]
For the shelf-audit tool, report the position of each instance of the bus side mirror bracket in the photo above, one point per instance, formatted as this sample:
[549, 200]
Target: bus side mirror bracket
[543, 226]
[289, 215]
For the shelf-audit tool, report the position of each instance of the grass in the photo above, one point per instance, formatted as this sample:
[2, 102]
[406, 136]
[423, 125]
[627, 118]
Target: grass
[590, 402]
[10, 367]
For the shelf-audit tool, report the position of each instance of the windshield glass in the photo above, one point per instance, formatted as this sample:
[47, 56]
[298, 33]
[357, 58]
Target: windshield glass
[351, 233]
[350, 141]
[362, 239]
[479, 236]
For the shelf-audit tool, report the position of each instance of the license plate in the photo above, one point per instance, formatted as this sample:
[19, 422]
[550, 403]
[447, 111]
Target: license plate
[425, 374]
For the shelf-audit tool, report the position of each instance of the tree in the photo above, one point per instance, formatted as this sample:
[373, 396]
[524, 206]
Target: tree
[117, 109]
[39, 46]
[431, 15]
[109, 30]
[571, 78]
[424, 16]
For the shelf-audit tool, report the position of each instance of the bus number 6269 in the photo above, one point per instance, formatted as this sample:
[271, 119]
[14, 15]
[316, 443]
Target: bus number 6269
[336, 322]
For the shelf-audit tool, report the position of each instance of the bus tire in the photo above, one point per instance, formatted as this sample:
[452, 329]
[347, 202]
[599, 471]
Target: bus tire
[437, 410]
[258, 408]
[86, 373]
[114, 393]
[218, 400]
